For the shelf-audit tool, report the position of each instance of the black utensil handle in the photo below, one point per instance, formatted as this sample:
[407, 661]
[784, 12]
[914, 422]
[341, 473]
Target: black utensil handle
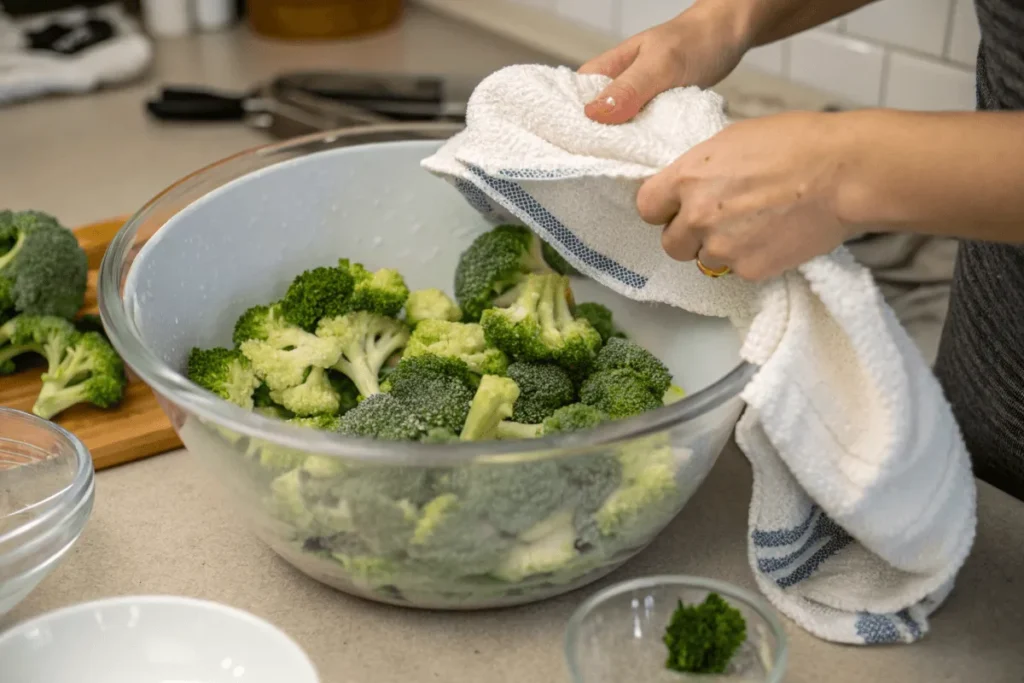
[178, 103]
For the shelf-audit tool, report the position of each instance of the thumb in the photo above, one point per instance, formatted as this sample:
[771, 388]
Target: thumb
[626, 95]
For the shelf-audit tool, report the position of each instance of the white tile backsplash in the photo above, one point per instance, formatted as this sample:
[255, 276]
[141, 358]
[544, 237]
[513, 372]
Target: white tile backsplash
[924, 84]
[639, 15]
[843, 66]
[914, 24]
[965, 36]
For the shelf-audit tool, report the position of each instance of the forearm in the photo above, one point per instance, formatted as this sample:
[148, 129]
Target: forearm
[765, 21]
[954, 174]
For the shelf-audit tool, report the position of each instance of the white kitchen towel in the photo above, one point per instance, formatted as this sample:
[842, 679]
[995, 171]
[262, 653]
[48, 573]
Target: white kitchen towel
[863, 508]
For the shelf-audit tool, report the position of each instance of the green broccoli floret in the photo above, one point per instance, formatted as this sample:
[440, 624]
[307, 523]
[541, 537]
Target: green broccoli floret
[492, 403]
[438, 390]
[600, 318]
[555, 260]
[543, 389]
[89, 372]
[620, 393]
[48, 336]
[315, 396]
[464, 341]
[257, 323]
[571, 418]
[318, 293]
[450, 537]
[648, 494]
[511, 496]
[673, 394]
[382, 416]
[622, 353]
[494, 263]
[546, 547]
[382, 292]
[703, 638]
[283, 358]
[431, 304]
[538, 326]
[43, 270]
[327, 423]
[367, 341]
[225, 372]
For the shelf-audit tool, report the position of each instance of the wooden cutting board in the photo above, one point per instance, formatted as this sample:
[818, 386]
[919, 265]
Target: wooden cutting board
[137, 428]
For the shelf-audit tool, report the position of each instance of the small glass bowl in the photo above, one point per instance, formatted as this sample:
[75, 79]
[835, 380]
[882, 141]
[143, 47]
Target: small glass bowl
[616, 635]
[46, 496]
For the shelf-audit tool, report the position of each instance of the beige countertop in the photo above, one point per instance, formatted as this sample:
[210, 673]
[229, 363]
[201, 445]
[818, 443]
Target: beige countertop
[162, 526]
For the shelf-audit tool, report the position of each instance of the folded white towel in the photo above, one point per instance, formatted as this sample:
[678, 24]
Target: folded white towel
[863, 507]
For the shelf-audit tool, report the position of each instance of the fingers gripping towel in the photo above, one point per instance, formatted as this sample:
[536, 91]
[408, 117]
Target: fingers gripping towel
[863, 507]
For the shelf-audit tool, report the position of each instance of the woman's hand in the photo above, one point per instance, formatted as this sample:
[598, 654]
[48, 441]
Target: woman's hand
[699, 47]
[760, 197]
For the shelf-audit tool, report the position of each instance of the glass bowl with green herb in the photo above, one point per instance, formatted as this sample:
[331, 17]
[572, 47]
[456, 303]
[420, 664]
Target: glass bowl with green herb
[670, 629]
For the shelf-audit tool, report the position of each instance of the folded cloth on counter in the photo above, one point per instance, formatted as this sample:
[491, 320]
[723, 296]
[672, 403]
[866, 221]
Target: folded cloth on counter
[863, 506]
[70, 51]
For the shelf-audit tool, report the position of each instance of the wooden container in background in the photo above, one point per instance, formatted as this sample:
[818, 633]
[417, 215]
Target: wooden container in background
[322, 19]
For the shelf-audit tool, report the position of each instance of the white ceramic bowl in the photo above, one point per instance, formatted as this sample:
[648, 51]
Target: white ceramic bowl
[151, 639]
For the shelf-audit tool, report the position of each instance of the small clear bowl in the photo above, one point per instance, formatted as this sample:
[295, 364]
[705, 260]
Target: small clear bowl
[616, 635]
[46, 495]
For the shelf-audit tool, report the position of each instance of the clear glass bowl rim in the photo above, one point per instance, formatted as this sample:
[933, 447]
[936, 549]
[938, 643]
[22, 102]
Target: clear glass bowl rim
[64, 503]
[173, 386]
[727, 590]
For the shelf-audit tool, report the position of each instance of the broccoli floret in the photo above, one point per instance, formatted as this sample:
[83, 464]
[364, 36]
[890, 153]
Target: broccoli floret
[622, 353]
[48, 336]
[318, 293]
[703, 638]
[439, 435]
[619, 393]
[673, 394]
[511, 496]
[451, 538]
[543, 389]
[316, 395]
[431, 304]
[382, 292]
[538, 326]
[367, 341]
[382, 416]
[464, 341]
[43, 270]
[327, 423]
[89, 372]
[492, 403]
[571, 418]
[493, 264]
[648, 494]
[600, 318]
[283, 358]
[544, 548]
[257, 323]
[437, 390]
[225, 372]
[555, 260]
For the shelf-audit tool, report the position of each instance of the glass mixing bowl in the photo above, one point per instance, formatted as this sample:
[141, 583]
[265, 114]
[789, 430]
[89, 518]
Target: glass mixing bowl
[565, 510]
[46, 494]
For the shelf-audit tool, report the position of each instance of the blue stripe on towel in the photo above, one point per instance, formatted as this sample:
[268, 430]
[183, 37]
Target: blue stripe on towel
[877, 629]
[823, 528]
[911, 624]
[543, 219]
[840, 540]
[474, 196]
[782, 537]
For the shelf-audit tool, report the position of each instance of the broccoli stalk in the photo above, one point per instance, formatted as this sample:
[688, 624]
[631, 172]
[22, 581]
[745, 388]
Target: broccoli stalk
[367, 340]
[43, 270]
[431, 304]
[90, 372]
[464, 341]
[493, 402]
[48, 336]
[571, 418]
[225, 372]
[703, 638]
[539, 326]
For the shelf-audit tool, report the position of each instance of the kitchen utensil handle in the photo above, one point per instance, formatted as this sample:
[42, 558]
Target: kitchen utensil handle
[192, 104]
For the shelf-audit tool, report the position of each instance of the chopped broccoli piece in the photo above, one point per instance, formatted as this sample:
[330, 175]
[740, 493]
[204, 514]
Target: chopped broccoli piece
[620, 393]
[464, 341]
[327, 423]
[512, 496]
[257, 323]
[382, 416]
[538, 326]
[431, 304]
[43, 270]
[648, 493]
[494, 263]
[555, 260]
[703, 638]
[438, 390]
[439, 435]
[367, 341]
[543, 389]
[451, 537]
[512, 431]
[600, 318]
[673, 394]
[318, 293]
[492, 403]
[284, 357]
[315, 396]
[90, 372]
[225, 372]
[48, 336]
[542, 549]
[622, 353]
[382, 292]
[574, 418]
